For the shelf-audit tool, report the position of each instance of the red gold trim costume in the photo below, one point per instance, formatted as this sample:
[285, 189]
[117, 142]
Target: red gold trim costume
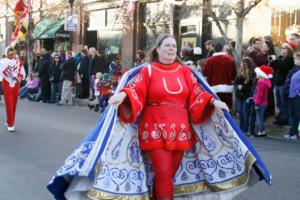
[168, 96]
[12, 72]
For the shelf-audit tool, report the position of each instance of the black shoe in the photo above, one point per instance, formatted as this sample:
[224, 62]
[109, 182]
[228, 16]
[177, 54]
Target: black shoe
[284, 123]
[281, 123]
[29, 96]
[277, 123]
[90, 106]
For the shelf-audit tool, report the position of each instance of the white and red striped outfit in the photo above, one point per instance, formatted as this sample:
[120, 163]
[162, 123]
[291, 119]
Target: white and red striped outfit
[12, 72]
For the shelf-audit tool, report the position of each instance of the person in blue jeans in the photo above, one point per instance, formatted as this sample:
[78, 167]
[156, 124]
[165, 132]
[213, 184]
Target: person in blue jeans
[281, 68]
[31, 87]
[54, 74]
[242, 85]
[263, 73]
[294, 99]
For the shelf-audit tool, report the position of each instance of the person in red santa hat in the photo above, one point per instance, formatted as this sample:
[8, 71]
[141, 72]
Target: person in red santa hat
[12, 72]
[263, 73]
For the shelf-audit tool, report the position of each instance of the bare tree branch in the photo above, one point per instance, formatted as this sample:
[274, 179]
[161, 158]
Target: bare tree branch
[238, 8]
[208, 7]
[251, 5]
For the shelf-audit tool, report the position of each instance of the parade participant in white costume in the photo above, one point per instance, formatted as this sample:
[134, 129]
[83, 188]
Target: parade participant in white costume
[12, 72]
[176, 143]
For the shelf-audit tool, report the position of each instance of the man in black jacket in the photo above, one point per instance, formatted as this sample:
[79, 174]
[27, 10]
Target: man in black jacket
[68, 69]
[83, 72]
[43, 71]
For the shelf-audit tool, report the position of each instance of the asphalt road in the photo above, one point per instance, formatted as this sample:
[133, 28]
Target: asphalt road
[46, 134]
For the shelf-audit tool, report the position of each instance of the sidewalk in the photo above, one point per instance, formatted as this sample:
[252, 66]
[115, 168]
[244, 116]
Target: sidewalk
[277, 132]
[81, 102]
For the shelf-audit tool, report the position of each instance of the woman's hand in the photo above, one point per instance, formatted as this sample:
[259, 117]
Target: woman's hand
[220, 105]
[117, 99]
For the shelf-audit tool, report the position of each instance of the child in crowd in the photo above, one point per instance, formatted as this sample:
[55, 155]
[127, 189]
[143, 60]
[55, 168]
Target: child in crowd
[31, 86]
[94, 104]
[293, 84]
[115, 66]
[115, 70]
[260, 98]
[106, 90]
[190, 64]
[242, 85]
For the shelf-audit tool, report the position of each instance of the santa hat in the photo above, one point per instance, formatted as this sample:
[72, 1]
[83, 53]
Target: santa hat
[289, 45]
[264, 71]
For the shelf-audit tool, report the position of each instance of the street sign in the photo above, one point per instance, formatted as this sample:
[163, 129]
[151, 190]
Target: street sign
[71, 23]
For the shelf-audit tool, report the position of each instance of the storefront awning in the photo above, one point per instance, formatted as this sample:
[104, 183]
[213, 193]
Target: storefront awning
[47, 28]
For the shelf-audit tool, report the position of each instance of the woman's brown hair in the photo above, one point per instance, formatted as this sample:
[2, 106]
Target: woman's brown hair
[84, 51]
[141, 54]
[159, 41]
[246, 69]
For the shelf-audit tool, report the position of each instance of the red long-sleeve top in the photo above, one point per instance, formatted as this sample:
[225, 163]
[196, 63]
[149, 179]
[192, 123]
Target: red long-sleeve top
[168, 98]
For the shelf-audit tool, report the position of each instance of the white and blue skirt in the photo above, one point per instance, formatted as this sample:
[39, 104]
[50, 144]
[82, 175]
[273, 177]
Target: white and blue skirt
[108, 164]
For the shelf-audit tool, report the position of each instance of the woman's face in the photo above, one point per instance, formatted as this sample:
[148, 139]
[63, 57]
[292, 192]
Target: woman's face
[56, 58]
[167, 50]
[137, 56]
[284, 51]
[92, 53]
[265, 47]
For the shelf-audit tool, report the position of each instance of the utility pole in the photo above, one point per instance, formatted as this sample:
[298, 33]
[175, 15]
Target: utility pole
[41, 42]
[28, 41]
[71, 2]
[171, 19]
[7, 30]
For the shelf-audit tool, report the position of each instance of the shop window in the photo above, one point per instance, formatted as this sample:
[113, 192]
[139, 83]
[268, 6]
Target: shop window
[188, 29]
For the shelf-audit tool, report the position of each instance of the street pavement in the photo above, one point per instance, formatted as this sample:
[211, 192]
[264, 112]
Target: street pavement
[46, 134]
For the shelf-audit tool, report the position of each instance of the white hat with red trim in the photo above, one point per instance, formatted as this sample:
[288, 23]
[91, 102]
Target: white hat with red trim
[264, 71]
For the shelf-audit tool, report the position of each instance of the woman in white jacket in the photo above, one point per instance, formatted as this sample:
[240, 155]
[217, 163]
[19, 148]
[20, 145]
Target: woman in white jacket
[12, 72]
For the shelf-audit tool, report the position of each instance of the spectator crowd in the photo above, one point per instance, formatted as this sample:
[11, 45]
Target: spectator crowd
[267, 82]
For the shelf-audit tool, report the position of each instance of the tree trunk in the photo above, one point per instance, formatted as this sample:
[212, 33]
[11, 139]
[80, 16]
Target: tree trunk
[239, 40]
[206, 24]
[171, 19]
[29, 49]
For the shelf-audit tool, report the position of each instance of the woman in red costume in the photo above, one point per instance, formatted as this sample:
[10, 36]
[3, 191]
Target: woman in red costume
[12, 72]
[168, 97]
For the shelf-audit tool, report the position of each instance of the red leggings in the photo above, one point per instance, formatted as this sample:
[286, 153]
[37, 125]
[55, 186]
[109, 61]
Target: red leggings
[11, 99]
[165, 165]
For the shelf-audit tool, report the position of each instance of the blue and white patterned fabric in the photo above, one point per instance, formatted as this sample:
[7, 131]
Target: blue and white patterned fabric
[110, 162]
